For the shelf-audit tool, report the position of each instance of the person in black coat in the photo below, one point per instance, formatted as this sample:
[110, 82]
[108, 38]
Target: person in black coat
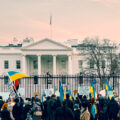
[78, 101]
[51, 108]
[64, 112]
[76, 112]
[17, 110]
[1, 102]
[69, 102]
[45, 114]
[102, 108]
[112, 109]
[57, 103]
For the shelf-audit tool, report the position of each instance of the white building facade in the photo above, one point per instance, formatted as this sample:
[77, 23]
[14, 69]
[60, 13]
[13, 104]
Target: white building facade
[40, 57]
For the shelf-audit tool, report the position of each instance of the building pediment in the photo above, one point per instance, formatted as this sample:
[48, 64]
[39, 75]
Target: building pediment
[46, 44]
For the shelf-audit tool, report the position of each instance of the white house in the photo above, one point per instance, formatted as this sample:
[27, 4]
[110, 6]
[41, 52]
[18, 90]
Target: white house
[40, 57]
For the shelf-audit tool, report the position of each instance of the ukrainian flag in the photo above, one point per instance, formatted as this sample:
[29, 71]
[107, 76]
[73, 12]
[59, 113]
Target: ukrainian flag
[110, 94]
[61, 91]
[92, 90]
[107, 86]
[109, 89]
[16, 75]
[65, 93]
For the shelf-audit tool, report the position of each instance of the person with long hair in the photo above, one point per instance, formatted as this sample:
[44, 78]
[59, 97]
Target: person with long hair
[5, 114]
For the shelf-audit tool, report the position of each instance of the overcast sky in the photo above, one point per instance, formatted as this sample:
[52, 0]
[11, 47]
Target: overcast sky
[71, 19]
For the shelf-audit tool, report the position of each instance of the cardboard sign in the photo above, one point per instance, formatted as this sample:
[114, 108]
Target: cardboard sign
[48, 92]
[84, 90]
[36, 93]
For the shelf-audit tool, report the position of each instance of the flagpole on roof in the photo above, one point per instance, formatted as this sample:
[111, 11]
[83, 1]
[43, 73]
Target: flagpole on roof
[50, 26]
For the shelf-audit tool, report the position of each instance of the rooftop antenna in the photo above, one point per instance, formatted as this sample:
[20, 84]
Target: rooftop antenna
[51, 26]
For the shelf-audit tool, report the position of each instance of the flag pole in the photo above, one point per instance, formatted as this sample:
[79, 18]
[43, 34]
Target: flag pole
[51, 26]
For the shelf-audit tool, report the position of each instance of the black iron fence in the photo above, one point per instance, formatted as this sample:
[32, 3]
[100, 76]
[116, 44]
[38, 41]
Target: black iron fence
[38, 83]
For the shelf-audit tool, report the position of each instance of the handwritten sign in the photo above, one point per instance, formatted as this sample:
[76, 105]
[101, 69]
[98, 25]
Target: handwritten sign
[84, 90]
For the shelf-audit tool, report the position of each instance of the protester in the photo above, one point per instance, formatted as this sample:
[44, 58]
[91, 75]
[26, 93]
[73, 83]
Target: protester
[51, 108]
[1, 102]
[85, 115]
[78, 101]
[69, 102]
[17, 110]
[27, 109]
[113, 109]
[36, 108]
[76, 112]
[102, 109]
[5, 114]
[64, 112]
[45, 114]
[93, 110]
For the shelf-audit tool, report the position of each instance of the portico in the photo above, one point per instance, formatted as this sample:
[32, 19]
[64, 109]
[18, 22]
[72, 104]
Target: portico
[39, 59]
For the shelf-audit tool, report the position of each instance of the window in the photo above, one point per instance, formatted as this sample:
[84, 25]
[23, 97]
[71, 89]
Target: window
[63, 64]
[6, 64]
[80, 62]
[103, 63]
[6, 80]
[91, 64]
[18, 64]
[35, 64]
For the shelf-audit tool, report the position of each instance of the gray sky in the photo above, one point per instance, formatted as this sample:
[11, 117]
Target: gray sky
[71, 19]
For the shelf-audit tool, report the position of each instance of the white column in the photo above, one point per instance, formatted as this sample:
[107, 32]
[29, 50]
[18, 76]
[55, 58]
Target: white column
[39, 64]
[54, 64]
[69, 65]
[24, 63]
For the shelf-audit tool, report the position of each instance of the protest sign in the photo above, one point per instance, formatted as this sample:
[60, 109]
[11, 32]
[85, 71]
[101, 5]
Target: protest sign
[102, 92]
[48, 92]
[84, 90]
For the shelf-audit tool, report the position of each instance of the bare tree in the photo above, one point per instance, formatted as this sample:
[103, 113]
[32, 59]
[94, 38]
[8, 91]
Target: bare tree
[103, 56]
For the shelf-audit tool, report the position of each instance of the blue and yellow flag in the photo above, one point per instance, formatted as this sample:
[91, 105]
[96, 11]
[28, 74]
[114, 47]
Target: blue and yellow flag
[110, 94]
[69, 92]
[61, 91]
[92, 90]
[109, 89]
[16, 75]
[107, 86]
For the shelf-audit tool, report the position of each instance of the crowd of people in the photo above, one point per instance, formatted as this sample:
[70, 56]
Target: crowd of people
[80, 108]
